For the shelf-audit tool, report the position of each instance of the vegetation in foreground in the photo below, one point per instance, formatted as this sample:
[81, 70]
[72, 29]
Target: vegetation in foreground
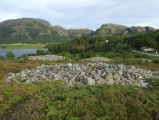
[53, 100]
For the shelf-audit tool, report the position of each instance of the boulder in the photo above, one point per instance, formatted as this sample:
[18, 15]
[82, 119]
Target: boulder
[90, 81]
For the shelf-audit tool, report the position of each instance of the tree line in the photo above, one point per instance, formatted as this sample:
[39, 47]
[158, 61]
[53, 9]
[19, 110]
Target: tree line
[103, 44]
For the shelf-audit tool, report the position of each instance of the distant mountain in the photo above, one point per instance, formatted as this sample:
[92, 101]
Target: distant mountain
[30, 30]
[74, 33]
[115, 29]
[110, 29]
[138, 29]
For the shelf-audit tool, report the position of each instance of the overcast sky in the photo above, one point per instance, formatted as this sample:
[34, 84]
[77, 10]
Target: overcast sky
[84, 13]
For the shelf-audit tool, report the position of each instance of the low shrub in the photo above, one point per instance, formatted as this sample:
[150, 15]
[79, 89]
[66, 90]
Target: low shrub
[156, 61]
[10, 56]
[52, 100]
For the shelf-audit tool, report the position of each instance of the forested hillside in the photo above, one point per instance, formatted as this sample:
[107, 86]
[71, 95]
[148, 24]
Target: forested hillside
[116, 45]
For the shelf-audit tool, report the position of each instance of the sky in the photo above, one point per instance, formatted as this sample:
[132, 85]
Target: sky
[84, 13]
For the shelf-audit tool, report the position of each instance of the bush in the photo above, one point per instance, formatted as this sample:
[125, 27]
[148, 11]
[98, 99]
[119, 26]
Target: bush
[10, 56]
[41, 52]
[23, 59]
[156, 61]
[66, 54]
[127, 55]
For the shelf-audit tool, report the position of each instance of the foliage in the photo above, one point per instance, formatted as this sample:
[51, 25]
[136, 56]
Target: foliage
[156, 61]
[149, 39]
[52, 100]
[86, 47]
[10, 56]
[41, 52]
[22, 59]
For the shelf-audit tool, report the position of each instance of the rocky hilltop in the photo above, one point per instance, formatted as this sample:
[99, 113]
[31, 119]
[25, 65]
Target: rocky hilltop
[30, 30]
[107, 29]
[23, 27]
[73, 33]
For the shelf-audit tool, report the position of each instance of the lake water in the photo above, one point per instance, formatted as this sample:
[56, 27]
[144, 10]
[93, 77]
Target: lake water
[19, 52]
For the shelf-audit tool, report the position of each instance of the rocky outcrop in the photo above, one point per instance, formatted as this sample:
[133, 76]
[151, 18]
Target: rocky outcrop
[101, 59]
[138, 29]
[115, 29]
[110, 29]
[61, 31]
[47, 58]
[74, 33]
[85, 74]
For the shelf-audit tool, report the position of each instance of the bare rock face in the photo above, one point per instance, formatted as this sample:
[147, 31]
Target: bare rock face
[138, 29]
[73, 33]
[116, 29]
[110, 29]
[61, 31]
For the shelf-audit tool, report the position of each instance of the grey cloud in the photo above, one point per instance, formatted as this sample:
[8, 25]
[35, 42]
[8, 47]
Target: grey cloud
[82, 13]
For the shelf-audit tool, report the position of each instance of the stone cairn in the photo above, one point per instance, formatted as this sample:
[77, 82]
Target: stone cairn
[85, 74]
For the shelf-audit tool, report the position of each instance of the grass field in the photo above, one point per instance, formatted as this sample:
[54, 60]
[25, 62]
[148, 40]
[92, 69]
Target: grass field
[21, 46]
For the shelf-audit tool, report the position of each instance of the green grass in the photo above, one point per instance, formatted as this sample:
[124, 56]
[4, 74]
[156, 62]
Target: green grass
[21, 46]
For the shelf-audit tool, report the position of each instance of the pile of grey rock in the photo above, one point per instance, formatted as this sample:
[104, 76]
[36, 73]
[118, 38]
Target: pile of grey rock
[103, 59]
[47, 57]
[85, 74]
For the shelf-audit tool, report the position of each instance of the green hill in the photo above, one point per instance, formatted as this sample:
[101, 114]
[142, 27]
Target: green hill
[30, 30]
